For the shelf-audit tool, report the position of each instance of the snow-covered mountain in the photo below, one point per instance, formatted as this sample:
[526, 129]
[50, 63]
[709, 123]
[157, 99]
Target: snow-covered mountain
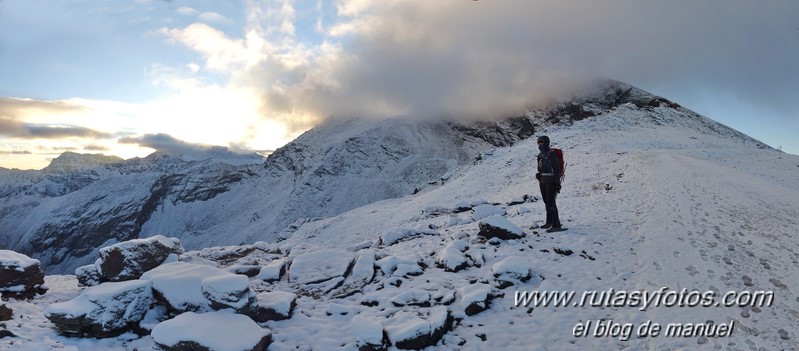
[63, 213]
[655, 195]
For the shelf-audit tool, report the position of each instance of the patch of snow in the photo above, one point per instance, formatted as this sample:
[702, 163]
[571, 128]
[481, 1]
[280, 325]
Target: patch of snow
[483, 211]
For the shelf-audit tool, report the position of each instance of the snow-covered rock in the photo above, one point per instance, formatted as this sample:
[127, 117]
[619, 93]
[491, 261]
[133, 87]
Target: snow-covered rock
[129, 259]
[362, 273]
[485, 210]
[273, 270]
[497, 226]
[275, 306]
[19, 274]
[512, 271]
[475, 298]
[320, 271]
[419, 298]
[401, 265]
[186, 287]
[88, 275]
[212, 331]
[104, 310]
[369, 334]
[451, 257]
[230, 291]
[410, 332]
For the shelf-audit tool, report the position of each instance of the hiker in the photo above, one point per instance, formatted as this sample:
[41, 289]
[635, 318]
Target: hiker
[549, 181]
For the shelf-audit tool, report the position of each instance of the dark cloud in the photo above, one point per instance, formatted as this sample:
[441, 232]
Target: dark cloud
[478, 57]
[94, 147]
[15, 152]
[12, 125]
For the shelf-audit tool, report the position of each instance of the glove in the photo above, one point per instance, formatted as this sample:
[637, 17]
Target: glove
[557, 187]
[538, 176]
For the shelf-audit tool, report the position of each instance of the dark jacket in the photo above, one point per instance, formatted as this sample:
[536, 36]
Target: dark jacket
[548, 164]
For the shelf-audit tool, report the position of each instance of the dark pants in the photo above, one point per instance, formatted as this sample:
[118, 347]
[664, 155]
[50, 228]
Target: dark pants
[549, 195]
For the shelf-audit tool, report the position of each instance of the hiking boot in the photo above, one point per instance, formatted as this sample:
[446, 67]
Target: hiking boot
[546, 226]
[554, 229]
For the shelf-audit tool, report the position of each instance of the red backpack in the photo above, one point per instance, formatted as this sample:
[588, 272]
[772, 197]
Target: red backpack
[559, 154]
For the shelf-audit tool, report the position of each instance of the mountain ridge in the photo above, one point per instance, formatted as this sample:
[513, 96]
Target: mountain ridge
[320, 174]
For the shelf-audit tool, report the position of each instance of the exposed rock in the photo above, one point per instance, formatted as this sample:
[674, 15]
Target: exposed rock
[362, 273]
[248, 270]
[185, 287]
[5, 312]
[213, 331]
[20, 275]
[499, 227]
[106, 310]
[275, 306]
[88, 275]
[130, 259]
[512, 271]
[476, 298]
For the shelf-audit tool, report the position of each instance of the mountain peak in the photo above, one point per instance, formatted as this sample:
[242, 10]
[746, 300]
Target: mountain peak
[72, 162]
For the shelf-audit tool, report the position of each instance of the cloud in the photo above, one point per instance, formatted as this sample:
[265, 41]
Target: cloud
[186, 10]
[212, 17]
[13, 113]
[166, 143]
[15, 152]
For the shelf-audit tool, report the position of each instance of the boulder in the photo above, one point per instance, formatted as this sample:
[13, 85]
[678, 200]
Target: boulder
[320, 271]
[275, 306]
[362, 273]
[5, 312]
[273, 270]
[186, 287]
[401, 265]
[475, 298]
[105, 310]
[369, 334]
[410, 332]
[212, 331]
[130, 259]
[230, 291]
[20, 274]
[88, 275]
[512, 270]
[412, 298]
[497, 226]
[451, 258]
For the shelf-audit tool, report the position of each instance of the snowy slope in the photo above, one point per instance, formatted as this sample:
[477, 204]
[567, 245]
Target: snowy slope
[655, 196]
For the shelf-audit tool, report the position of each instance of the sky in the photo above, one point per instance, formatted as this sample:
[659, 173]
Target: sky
[112, 76]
